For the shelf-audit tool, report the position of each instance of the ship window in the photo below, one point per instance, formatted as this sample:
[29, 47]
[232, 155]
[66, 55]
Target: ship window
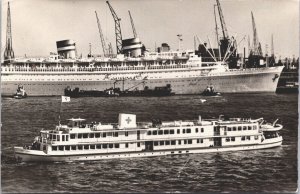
[234, 129]
[198, 140]
[80, 147]
[67, 137]
[116, 134]
[138, 144]
[189, 141]
[160, 132]
[173, 142]
[183, 130]
[154, 132]
[155, 143]
[232, 138]
[201, 140]
[126, 133]
[61, 148]
[167, 142]
[97, 135]
[243, 138]
[228, 128]
[161, 143]
[239, 128]
[196, 130]
[126, 145]
[244, 128]
[98, 146]
[188, 130]
[227, 139]
[256, 137]
[91, 135]
[73, 147]
[249, 127]
[179, 142]
[67, 148]
[103, 134]
[104, 146]
[92, 147]
[172, 131]
[63, 138]
[254, 127]
[178, 131]
[79, 135]
[202, 130]
[85, 135]
[117, 145]
[72, 136]
[248, 137]
[166, 132]
[109, 134]
[149, 133]
[185, 141]
[86, 147]
[110, 145]
[54, 148]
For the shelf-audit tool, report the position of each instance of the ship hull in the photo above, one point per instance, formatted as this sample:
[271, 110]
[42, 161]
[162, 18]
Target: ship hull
[240, 81]
[26, 156]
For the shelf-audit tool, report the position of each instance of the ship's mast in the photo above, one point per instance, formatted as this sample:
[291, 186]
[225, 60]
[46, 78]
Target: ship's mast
[117, 29]
[9, 52]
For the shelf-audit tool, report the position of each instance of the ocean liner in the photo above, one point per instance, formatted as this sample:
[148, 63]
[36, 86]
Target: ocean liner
[127, 138]
[187, 71]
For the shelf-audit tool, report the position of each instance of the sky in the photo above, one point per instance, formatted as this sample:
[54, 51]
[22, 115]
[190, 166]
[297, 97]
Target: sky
[38, 24]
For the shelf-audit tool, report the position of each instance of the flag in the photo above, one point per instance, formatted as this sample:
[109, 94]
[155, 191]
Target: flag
[65, 99]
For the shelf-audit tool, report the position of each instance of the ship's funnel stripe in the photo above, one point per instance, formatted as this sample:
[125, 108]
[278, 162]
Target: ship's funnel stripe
[133, 46]
[66, 48]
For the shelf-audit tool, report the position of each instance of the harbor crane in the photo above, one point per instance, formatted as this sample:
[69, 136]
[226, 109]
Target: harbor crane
[256, 44]
[222, 21]
[101, 36]
[117, 29]
[132, 24]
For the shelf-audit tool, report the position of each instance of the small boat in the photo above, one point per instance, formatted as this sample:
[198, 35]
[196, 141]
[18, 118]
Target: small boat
[78, 141]
[20, 93]
[210, 91]
[202, 100]
[111, 92]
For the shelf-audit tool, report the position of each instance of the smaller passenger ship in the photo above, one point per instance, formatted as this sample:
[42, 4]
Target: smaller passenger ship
[127, 138]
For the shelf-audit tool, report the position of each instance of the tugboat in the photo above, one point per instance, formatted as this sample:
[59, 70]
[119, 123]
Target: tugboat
[77, 140]
[210, 91]
[20, 93]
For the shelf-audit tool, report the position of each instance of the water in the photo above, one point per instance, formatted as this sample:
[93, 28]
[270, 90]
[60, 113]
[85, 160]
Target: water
[267, 170]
